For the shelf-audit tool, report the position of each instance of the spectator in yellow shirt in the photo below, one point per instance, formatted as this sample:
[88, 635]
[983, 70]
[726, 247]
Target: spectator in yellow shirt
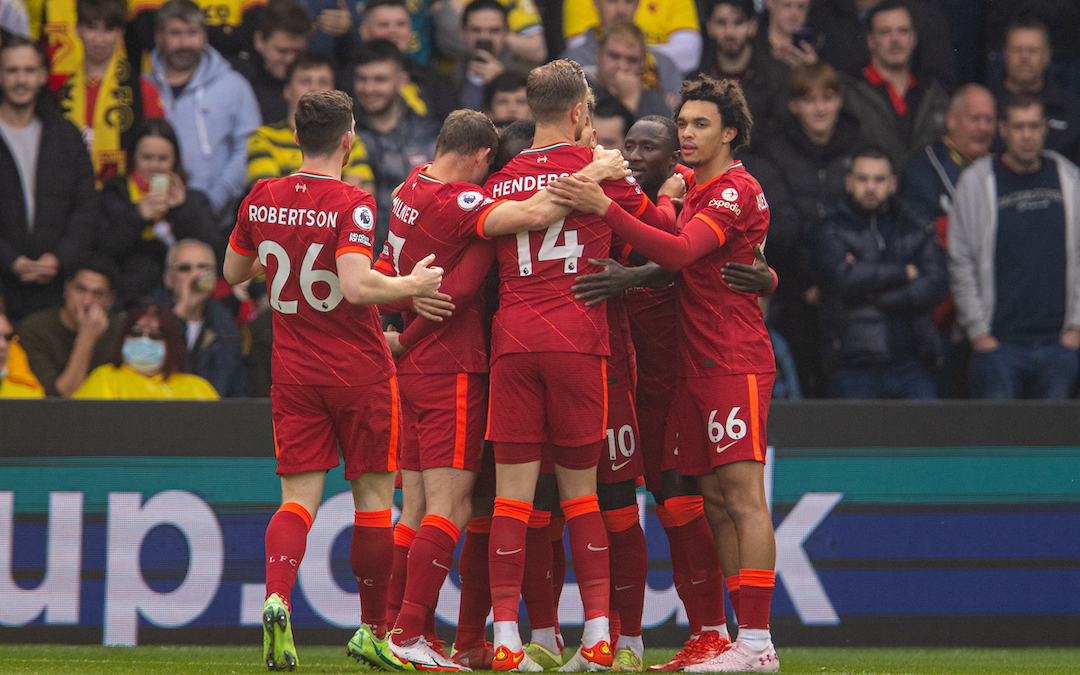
[272, 151]
[16, 379]
[147, 364]
[671, 26]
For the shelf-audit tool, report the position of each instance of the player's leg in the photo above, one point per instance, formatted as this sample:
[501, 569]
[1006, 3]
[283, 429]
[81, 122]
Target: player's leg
[471, 648]
[536, 592]
[413, 508]
[727, 548]
[629, 567]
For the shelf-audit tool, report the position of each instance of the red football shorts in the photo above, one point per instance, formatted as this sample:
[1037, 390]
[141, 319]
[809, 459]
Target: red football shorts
[548, 396]
[719, 420]
[311, 422]
[620, 457]
[444, 420]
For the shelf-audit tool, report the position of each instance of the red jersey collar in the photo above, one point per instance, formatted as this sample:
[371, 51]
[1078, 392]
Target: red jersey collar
[702, 186]
[899, 103]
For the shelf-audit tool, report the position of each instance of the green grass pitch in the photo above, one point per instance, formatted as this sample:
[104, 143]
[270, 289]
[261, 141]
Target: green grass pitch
[91, 660]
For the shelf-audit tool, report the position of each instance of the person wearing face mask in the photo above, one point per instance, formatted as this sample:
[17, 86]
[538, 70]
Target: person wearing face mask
[144, 213]
[147, 363]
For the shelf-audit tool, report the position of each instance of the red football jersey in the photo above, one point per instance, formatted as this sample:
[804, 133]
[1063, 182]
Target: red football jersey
[722, 331]
[537, 310]
[431, 216]
[298, 225]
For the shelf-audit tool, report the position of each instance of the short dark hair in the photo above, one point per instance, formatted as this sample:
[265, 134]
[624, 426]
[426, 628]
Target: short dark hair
[870, 151]
[610, 107]
[284, 16]
[309, 60]
[887, 6]
[112, 13]
[518, 131]
[465, 132]
[728, 97]
[175, 347]
[95, 262]
[1018, 101]
[508, 80]
[746, 7]
[671, 130]
[322, 118]
[377, 51]
[375, 4]
[481, 5]
[1029, 22]
[16, 41]
[554, 89]
[158, 127]
[184, 10]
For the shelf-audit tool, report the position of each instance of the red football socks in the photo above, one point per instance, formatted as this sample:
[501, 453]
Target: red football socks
[286, 541]
[430, 558]
[558, 559]
[506, 556]
[372, 545]
[475, 584]
[755, 598]
[589, 547]
[536, 584]
[692, 548]
[403, 539]
[733, 585]
[629, 567]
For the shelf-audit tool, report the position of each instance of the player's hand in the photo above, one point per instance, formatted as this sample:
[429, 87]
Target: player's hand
[755, 278]
[335, 22]
[600, 286]
[393, 341]
[984, 343]
[674, 187]
[426, 279]
[580, 194]
[434, 309]
[606, 165]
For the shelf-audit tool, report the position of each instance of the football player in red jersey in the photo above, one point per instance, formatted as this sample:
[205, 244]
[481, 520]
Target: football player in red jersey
[334, 381]
[442, 366]
[548, 369]
[726, 365]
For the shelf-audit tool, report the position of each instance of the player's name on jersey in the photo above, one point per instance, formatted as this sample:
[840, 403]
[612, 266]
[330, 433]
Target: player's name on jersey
[282, 215]
[404, 212]
[528, 184]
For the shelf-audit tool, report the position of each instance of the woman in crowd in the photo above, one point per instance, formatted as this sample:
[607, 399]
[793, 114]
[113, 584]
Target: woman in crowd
[146, 212]
[147, 363]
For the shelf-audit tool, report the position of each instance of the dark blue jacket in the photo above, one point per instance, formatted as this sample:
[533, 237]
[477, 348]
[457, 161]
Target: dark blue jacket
[218, 352]
[930, 181]
[868, 306]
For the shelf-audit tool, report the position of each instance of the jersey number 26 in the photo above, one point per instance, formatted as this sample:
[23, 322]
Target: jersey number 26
[309, 276]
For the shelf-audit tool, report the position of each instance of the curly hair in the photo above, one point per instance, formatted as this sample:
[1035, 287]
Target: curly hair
[728, 97]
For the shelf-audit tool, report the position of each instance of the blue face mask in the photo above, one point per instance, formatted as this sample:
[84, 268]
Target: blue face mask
[143, 354]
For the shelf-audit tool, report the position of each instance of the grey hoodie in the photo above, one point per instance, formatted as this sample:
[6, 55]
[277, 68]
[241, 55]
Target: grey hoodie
[973, 241]
[213, 117]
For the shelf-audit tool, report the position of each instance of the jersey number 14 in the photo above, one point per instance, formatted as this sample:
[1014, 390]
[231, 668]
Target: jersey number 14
[550, 249]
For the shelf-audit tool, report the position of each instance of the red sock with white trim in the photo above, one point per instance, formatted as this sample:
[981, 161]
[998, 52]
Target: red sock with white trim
[755, 600]
[506, 556]
[286, 541]
[589, 547]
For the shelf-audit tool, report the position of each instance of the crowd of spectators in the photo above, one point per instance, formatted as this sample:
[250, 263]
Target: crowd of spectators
[918, 157]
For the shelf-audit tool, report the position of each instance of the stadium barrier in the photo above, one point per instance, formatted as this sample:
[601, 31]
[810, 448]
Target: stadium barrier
[952, 523]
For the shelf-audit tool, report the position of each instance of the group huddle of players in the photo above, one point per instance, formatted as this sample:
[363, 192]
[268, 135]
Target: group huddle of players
[627, 344]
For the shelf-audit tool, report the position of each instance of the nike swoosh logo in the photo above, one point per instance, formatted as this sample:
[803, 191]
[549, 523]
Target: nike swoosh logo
[436, 563]
[698, 581]
[592, 548]
[499, 551]
[726, 446]
[623, 588]
[616, 467]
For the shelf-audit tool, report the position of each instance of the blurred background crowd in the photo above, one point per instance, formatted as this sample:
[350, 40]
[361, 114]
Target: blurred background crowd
[917, 156]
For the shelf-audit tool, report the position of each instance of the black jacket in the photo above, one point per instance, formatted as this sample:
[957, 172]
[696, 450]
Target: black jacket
[765, 89]
[1062, 118]
[269, 91]
[868, 307]
[842, 39]
[121, 231]
[64, 211]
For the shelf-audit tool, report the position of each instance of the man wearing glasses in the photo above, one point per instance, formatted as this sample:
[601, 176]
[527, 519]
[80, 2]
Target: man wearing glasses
[214, 350]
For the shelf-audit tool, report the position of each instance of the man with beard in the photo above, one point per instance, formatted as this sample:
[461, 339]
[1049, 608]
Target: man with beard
[211, 106]
[43, 223]
[729, 53]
